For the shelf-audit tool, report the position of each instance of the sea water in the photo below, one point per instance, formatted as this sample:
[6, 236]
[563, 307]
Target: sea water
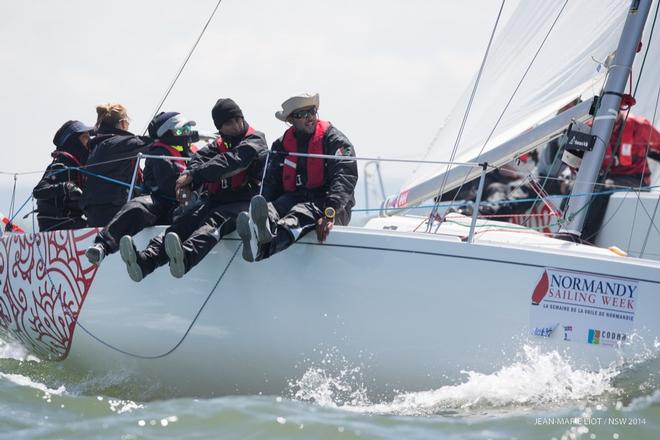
[537, 396]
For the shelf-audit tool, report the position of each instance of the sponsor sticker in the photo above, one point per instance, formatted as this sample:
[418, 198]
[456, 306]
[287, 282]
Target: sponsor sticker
[402, 200]
[591, 308]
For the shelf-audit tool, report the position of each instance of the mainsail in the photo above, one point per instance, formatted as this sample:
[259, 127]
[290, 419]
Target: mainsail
[548, 54]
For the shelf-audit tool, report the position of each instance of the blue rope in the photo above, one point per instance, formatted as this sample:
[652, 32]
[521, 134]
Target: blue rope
[11, 220]
[109, 179]
[89, 173]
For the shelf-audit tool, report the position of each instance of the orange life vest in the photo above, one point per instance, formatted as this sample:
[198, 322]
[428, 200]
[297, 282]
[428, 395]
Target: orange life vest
[638, 136]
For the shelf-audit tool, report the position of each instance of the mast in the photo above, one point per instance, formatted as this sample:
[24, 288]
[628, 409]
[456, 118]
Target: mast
[605, 117]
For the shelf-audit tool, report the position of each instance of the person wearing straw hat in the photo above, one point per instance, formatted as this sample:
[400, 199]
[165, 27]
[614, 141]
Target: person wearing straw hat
[59, 191]
[227, 173]
[301, 191]
[173, 135]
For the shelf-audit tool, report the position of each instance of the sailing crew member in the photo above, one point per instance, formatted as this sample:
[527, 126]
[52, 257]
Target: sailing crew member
[227, 172]
[625, 165]
[625, 159]
[113, 155]
[300, 193]
[173, 136]
[59, 191]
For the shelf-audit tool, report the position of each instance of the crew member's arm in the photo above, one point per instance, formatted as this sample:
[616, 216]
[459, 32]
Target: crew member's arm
[271, 187]
[132, 146]
[55, 183]
[342, 175]
[225, 165]
[202, 156]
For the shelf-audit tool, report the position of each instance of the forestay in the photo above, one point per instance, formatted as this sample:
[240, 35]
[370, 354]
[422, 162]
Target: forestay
[575, 41]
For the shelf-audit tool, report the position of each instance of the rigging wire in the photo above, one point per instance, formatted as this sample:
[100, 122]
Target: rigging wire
[185, 62]
[466, 114]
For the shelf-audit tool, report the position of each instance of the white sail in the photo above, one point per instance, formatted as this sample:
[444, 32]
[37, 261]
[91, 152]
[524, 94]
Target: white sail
[569, 64]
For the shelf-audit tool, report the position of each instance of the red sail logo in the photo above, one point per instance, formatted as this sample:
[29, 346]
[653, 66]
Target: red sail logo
[541, 289]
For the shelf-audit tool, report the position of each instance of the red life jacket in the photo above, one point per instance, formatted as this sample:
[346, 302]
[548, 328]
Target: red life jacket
[638, 136]
[315, 165]
[236, 181]
[73, 159]
[180, 164]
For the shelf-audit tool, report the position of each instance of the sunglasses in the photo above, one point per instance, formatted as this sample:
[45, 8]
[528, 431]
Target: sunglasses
[186, 129]
[307, 113]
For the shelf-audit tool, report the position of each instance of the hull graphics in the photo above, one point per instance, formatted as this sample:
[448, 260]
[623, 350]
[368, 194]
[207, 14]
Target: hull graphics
[44, 280]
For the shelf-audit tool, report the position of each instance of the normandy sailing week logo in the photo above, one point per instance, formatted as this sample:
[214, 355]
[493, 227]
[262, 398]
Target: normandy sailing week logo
[587, 294]
[596, 309]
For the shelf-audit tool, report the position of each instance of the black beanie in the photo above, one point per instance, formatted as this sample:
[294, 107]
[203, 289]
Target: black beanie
[224, 110]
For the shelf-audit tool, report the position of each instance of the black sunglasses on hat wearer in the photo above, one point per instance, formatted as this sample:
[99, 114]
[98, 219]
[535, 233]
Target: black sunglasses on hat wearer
[306, 113]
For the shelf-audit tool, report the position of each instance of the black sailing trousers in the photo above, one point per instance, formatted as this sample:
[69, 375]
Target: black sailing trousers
[199, 230]
[139, 213]
[292, 216]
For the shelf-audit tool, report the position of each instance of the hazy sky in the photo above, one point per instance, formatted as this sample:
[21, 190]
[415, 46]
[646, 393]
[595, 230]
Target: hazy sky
[388, 71]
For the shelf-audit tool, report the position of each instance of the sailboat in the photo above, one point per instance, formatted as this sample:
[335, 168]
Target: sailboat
[410, 300]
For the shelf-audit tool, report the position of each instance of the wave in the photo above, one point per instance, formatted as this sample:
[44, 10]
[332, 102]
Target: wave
[538, 380]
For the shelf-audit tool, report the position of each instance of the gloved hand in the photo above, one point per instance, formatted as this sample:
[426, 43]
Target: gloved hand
[72, 191]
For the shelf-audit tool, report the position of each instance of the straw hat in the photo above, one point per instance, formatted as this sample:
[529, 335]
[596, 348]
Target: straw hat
[295, 103]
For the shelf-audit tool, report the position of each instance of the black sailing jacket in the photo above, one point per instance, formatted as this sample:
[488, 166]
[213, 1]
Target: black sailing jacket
[120, 148]
[247, 153]
[54, 206]
[160, 175]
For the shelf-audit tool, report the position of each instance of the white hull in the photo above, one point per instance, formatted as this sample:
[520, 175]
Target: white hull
[412, 309]
[632, 223]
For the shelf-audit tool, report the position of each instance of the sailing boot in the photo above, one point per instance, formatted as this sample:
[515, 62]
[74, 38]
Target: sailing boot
[95, 253]
[259, 216]
[246, 231]
[132, 259]
[176, 255]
